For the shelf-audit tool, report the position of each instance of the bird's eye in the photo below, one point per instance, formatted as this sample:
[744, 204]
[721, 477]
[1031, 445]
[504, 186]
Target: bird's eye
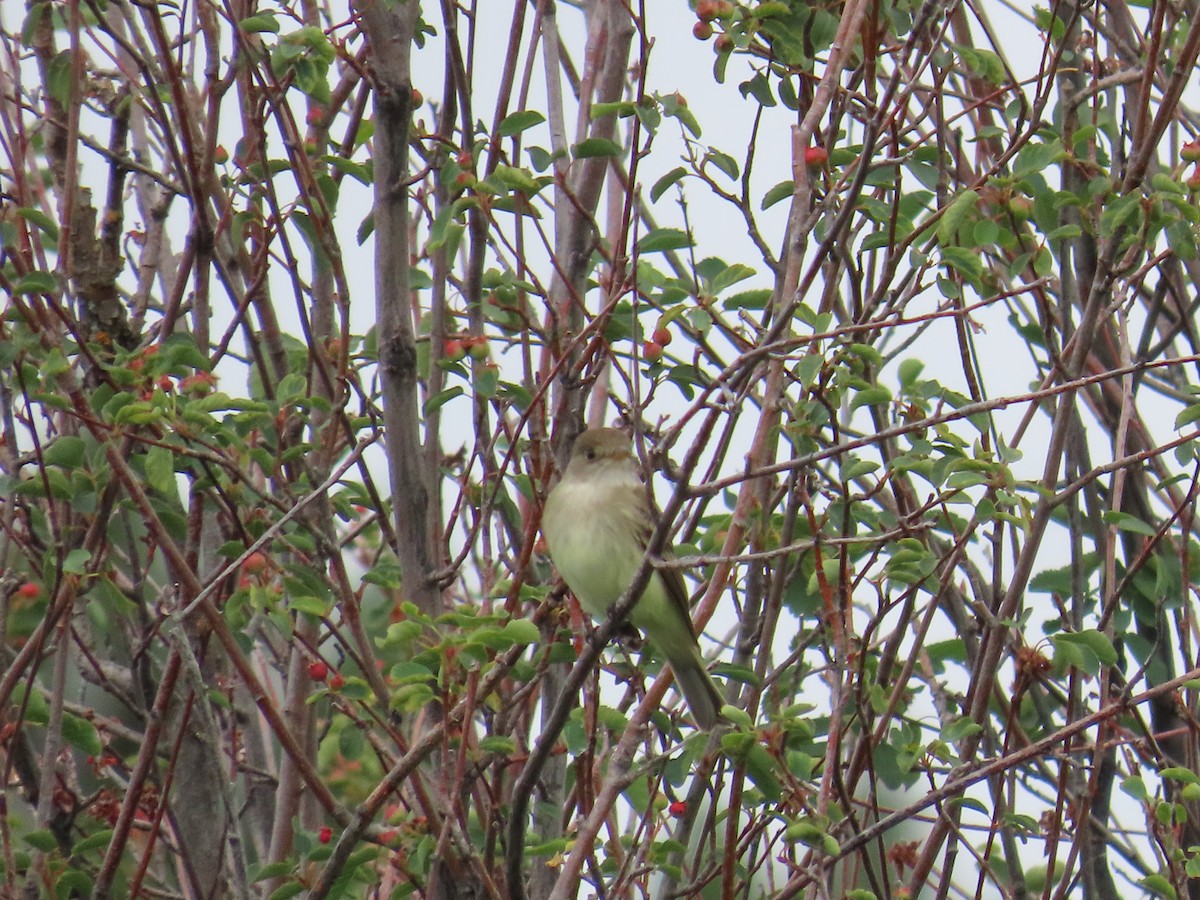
[589, 454]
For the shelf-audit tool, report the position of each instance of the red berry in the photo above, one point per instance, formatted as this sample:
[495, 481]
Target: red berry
[723, 43]
[337, 682]
[318, 669]
[815, 156]
[677, 808]
[1193, 182]
[702, 31]
[220, 155]
[417, 97]
[479, 348]
[661, 336]
[706, 10]
[30, 590]
[1190, 152]
[652, 351]
[325, 835]
[255, 563]
[315, 116]
[454, 349]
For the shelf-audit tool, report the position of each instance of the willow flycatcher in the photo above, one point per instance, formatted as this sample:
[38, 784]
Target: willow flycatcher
[597, 523]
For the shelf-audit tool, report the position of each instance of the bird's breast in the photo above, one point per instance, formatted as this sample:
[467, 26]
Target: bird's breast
[593, 543]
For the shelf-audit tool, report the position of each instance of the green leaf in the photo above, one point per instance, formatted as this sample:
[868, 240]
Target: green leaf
[910, 370]
[82, 734]
[660, 186]
[540, 158]
[1119, 212]
[1135, 788]
[688, 120]
[65, 451]
[495, 743]
[962, 206]
[76, 561]
[386, 574]
[1036, 157]
[663, 239]
[1180, 774]
[1071, 653]
[59, 78]
[94, 841]
[870, 395]
[487, 380]
[259, 24]
[40, 219]
[441, 398]
[522, 631]
[41, 840]
[960, 728]
[360, 172]
[1187, 416]
[35, 283]
[516, 179]
[760, 89]
[519, 121]
[781, 191]
[964, 260]
[160, 469]
[1126, 522]
[622, 108]
[309, 605]
[442, 229]
[724, 162]
[593, 147]
[1159, 885]
[1099, 644]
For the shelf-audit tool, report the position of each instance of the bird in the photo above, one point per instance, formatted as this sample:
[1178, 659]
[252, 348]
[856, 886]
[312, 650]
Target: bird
[597, 522]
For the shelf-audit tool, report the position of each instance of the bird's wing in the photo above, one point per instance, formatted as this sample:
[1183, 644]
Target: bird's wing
[672, 579]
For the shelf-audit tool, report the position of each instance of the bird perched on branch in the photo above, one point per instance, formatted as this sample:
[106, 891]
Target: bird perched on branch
[598, 521]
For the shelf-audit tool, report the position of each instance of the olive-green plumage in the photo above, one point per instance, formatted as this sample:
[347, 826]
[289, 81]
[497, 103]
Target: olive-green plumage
[597, 523]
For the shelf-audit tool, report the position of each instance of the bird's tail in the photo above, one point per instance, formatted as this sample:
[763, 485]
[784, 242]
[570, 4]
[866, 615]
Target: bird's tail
[698, 689]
